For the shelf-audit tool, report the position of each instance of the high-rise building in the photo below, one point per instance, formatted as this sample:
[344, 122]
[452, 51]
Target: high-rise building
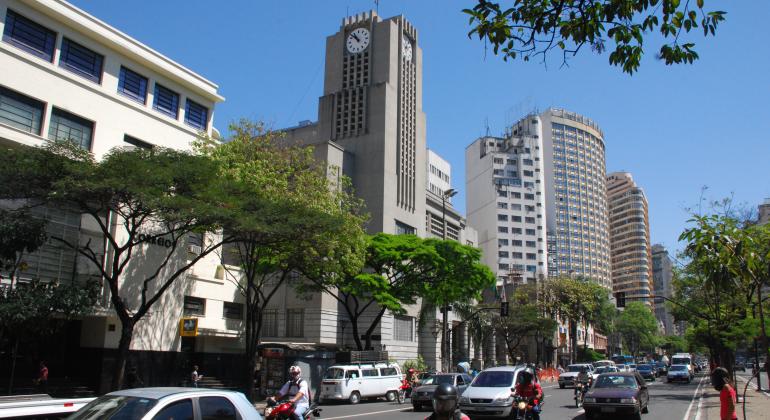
[439, 211]
[574, 192]
[764, 212]
[662, 276]
[629, 239]
[505, 205]
[370, 119]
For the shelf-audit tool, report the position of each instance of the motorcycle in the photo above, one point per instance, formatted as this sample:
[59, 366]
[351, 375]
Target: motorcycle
[284, 410]
[404, 391]
[523, 407]
[580, 392]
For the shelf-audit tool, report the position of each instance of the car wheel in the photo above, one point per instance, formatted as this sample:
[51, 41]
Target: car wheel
[561, 386]
[391, 396]
[646, 409]
[417, 407]
[355, 397]
[638, 414]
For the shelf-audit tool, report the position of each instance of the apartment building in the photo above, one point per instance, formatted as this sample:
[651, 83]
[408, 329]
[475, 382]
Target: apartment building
[662, 275]
[67, 75]
[630, 248]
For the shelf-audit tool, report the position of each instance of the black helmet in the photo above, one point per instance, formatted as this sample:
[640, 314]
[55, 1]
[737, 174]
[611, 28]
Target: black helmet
[445, 399]
[526, 376]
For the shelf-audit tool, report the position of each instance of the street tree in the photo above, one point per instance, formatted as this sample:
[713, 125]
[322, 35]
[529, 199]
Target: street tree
[638, 327]
[144, 203]
[530, 29]
[282, 214]
[21, 234]
[527, 322]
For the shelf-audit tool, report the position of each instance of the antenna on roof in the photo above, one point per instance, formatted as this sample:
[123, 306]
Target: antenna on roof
[486, 125]
[377, 6]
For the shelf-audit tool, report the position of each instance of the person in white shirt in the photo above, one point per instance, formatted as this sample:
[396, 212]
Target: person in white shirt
[297, 388]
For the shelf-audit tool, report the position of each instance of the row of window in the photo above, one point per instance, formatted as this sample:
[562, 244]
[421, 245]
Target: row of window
[40, 41]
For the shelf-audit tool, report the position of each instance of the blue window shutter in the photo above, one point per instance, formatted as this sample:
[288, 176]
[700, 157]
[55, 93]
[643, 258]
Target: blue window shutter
[81, 60]
[166, 101]
[28, 35]
[196, 115]
[133, 85]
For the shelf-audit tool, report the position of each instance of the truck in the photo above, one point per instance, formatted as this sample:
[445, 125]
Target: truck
[684, 359]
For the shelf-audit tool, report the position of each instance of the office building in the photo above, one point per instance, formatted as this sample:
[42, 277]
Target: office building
[662, 275]
[67, 75]
[629, 239]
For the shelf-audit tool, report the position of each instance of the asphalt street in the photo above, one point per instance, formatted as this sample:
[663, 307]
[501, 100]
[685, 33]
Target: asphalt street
[667, 402]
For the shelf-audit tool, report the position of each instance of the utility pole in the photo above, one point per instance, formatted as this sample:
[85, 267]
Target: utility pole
[445, 341]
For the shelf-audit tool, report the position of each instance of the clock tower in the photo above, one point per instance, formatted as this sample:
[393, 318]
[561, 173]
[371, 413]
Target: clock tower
[370, 119]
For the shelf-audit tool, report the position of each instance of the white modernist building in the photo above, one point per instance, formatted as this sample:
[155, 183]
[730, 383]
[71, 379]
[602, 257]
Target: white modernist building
[66, 75]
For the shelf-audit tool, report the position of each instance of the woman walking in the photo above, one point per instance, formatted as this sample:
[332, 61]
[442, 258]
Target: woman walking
[727, 398]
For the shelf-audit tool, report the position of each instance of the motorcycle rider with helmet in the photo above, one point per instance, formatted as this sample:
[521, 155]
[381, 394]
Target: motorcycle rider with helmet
[445, 404]
[584, 378]
[528, 388]
[297, 388]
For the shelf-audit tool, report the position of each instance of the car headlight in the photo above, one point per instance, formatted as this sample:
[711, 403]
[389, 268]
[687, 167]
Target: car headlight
[503, 400]
[631, 400]
[465, 400]
[589, 399]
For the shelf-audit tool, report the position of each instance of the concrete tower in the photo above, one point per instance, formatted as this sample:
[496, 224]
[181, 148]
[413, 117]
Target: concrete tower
[370, 119]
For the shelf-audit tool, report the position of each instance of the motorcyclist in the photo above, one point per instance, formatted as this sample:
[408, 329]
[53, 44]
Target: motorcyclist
[528, 388]
[583, 376]
[297, 388]
[445, 404]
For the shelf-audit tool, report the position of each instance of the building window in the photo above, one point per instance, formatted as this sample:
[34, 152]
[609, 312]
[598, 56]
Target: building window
[68, 127]
[502, 254]
[403, 328]
[232, 310]
[502, 229]
[20, 111]
[166, 101]
[29, 36]
[502, 218]
[194, 306]
[81, 60]
[295, 321]
[136, 142]
[270, 323]
[196, 115]
[133, 85]
[404, 229]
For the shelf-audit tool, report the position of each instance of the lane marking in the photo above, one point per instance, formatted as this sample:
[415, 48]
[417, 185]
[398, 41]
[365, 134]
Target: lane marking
[754, 387]
[700, 405]
[368, 414]
[694, 395]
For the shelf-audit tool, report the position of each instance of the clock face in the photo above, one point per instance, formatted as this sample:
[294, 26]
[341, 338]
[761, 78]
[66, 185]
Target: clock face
[407, 49]
[358, 40]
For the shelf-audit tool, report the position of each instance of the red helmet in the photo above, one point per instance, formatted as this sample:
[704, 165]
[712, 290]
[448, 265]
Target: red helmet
[411, 370]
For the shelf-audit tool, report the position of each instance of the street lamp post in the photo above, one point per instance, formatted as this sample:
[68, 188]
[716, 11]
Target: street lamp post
[445, 340]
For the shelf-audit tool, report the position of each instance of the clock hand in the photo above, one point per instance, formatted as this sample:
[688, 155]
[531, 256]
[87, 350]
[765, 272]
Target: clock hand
[356, 37]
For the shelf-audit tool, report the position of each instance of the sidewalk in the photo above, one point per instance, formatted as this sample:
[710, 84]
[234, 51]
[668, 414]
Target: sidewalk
[757, 403]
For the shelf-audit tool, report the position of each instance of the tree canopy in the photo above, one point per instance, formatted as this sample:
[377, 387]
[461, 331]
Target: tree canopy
[638, 327]
[534, 28]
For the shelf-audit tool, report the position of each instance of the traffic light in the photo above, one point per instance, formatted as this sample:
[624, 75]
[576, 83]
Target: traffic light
[503, 309]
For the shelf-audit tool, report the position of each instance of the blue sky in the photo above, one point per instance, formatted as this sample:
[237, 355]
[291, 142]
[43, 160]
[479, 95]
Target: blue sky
[676, 129]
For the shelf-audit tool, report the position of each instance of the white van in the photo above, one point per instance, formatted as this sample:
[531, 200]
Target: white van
[360, 380]
[684, 359]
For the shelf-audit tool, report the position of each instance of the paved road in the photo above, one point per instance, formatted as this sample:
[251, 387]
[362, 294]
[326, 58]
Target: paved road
[667, 402]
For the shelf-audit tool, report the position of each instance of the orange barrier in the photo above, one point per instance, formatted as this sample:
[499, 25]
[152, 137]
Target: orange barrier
[549, 374]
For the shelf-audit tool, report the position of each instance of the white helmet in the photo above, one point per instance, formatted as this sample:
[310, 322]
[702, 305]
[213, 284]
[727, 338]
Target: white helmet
[295, 369]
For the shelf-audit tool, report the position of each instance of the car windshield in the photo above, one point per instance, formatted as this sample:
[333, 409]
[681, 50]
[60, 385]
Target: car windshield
[115, 407]
[334, 373]
[439, 380]
[493, 379]
[678, 368]
[574, 368]
[616, 381]
[644, 367]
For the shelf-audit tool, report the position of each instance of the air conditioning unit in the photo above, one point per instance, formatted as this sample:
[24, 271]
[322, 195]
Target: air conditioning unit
[194, 249]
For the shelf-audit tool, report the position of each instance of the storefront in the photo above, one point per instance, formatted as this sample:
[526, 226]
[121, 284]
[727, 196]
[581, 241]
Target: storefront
[276, 358]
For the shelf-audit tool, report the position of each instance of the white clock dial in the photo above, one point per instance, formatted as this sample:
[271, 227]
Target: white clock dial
[407, 49]
[358, 40]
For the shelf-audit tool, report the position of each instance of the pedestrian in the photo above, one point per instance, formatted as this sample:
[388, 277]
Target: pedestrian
[195, 376]
[132, 377]
[727, 398]
[42, 378]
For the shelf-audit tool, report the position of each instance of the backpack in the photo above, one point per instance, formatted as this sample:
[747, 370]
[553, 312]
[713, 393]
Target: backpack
[299, 385]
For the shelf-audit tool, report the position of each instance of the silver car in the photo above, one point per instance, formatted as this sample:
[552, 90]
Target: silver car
[178, 403]
[489, 394]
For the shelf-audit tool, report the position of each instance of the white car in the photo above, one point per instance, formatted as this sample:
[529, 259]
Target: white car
[604, 369]
[165, 403]
[568, 378]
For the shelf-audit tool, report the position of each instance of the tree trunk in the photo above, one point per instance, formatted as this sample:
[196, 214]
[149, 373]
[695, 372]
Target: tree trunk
[573, 341]
[14, 353]
[370, 330]
[763, 331]
[126, 334]
[354, 331]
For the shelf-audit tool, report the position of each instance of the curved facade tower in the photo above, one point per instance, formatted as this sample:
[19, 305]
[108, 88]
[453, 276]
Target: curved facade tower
[576, 193]
[630, 239]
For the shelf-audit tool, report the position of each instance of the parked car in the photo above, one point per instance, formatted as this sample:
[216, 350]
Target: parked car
[164, 403]
[489, 395]
[623, 393]
[678, 373]
[567, 378]
[360, 380]
[648, 372]
[422, 395]
[662, 368]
